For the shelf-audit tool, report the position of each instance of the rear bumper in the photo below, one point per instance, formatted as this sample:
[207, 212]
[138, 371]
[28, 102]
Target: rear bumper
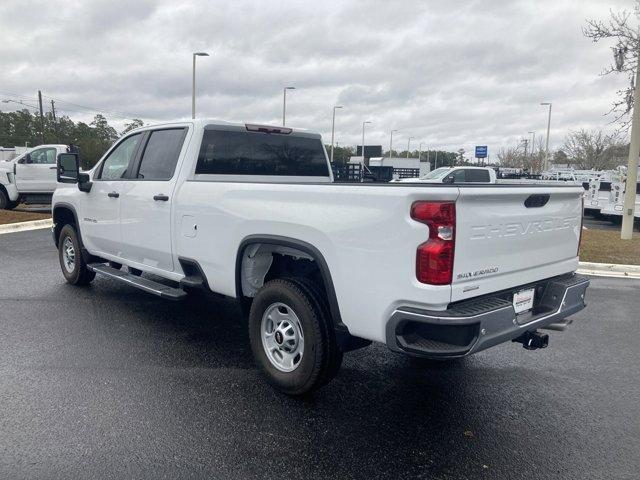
[473, 325]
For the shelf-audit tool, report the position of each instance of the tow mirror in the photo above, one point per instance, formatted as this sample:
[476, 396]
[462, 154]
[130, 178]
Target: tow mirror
[68, 168]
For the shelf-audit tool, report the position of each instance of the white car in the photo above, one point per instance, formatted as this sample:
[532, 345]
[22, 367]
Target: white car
[251, 212]
[30, 177]
[455, 175]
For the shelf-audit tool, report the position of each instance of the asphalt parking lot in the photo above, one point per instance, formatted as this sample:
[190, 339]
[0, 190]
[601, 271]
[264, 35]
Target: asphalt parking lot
[109, 382]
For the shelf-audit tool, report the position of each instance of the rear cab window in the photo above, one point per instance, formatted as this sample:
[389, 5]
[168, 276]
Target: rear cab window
[477, 176]
[235, 152]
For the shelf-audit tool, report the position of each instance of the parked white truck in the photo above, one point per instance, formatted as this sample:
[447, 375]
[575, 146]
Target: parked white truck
[29, 177]
[250, 212]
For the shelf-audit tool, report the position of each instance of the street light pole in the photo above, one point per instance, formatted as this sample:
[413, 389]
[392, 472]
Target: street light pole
[333, 128]
[363, 124]
[420, 152]
[391, 143]
[284, 103]
[546, 148]
[193, 83]
[408, 145]
[533, 145]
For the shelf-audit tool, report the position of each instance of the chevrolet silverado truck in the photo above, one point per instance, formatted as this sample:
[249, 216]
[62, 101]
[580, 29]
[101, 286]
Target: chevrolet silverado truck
[30, 177]
[321, 268]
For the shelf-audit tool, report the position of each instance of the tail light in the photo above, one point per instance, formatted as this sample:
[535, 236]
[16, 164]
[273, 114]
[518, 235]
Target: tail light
[581, 224]
[434, 258]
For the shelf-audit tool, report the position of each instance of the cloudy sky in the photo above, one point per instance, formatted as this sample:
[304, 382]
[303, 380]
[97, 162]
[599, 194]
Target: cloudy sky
[451, 74]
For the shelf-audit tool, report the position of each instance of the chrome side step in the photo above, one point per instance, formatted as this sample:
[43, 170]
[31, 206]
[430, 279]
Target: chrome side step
[145, 284]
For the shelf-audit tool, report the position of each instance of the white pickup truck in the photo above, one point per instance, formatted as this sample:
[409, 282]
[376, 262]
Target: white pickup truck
[30, 177]
[455, 175]
[251, 212]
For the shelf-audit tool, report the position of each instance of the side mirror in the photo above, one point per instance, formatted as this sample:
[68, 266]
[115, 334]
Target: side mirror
[68, 168]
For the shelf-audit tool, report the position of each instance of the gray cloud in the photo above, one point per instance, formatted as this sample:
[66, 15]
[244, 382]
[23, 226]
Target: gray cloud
[449, 74]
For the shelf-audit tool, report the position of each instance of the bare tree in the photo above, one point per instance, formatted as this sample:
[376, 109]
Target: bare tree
[593, 149]
[516, 157]
[619, 27]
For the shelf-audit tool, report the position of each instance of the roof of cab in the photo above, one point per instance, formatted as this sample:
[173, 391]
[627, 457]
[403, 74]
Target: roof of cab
[203, 122]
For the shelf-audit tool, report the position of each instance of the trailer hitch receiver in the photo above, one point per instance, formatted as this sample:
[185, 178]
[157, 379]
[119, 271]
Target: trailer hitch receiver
[533, 340]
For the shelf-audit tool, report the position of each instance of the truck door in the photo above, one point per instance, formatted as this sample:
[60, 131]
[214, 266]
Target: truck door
[36, 171]
[145, 203]
[100, 209]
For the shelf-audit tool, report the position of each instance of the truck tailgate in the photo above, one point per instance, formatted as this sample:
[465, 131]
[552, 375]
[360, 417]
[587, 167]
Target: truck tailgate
[513, 235]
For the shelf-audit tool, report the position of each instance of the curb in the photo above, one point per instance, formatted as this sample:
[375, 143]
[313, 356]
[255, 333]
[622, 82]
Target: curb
[609, 270]
[25, 226]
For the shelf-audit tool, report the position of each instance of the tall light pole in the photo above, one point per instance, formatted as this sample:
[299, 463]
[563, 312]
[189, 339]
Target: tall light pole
[634, 151]
[193, 84]
[284, 103]
[363, 124]
[533, 145]
[391, 143]
[420, 152]
[333, 128]
[546, 148]
[408, 145]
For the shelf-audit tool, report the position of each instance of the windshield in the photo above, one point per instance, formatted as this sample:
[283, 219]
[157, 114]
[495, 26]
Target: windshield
[437, 173]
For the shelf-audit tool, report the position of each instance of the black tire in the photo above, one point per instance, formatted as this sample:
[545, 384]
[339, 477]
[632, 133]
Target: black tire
[5, 203]
[321, 357]
[315, 293]
[78, 273]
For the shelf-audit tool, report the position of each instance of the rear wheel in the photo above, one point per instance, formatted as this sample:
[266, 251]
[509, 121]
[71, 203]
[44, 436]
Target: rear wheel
[73, 266]
[292, 339]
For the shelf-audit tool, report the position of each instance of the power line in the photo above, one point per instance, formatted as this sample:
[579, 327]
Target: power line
[120, 115]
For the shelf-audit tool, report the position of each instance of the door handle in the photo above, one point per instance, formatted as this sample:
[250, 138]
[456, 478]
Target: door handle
[161, 197]
[53, 168]
[113, 194]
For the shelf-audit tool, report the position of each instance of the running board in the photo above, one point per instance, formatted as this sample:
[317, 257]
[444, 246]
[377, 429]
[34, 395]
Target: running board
[149, 286]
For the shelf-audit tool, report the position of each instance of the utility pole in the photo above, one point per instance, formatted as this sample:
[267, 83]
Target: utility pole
[632, 166]
[408, 145]
[41, 116]
[435, 162]
[55, 121]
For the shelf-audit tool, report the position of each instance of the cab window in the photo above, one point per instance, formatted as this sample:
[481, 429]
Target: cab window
[477, 176]
[43, 156]
[161, 154]
[116, 164]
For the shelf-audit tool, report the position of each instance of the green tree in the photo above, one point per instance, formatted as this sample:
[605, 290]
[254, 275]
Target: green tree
[135, 123]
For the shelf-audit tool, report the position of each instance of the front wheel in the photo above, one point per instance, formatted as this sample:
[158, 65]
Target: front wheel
[73, 266]
[292, 339]
[5, 203]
